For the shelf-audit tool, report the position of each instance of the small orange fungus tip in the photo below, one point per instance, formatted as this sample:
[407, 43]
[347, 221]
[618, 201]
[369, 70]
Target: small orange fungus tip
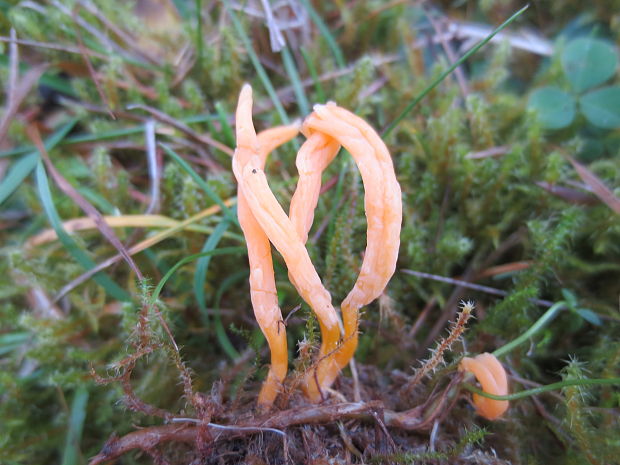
[492, 377]
[264, 221]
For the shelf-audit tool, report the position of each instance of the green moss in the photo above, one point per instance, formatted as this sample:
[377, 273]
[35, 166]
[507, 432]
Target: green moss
[465, 212]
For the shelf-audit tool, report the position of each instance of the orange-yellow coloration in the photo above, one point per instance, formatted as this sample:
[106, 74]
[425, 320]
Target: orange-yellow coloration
[492, 377]
[262, 280]
[383, 204]
[263, 220]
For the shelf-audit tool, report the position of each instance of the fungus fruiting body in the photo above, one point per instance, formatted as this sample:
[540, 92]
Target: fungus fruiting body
[263, 220]
[383, 205]
[492, 377]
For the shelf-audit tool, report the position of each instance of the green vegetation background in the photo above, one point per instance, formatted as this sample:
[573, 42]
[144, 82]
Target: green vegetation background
[486, 181]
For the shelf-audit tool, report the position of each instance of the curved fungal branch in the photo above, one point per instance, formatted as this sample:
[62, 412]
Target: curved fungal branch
[251, 147]
[492, 377]
[326, 129]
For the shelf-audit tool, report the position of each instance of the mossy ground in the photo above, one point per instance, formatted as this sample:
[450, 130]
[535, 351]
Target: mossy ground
[490, 197]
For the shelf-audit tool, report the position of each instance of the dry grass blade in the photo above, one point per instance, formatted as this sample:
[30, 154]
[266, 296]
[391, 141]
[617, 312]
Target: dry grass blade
[17, 89]
[128, 39]
[123, 221]
[568, 194]
[52, 46]
[167, 119]
[13, 68]
[140, 246]
[107, 42]
[505, 268]
[91, 211]
[598, 188]
[151, 158]
[89, 65]
[469, 285]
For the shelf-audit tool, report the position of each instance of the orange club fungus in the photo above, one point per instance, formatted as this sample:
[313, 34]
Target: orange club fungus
[264, 221]
[492, 377]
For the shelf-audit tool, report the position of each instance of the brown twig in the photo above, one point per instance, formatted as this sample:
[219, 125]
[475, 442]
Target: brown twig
[149, 438]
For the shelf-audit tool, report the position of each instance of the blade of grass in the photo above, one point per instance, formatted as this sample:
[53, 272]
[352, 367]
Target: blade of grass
[124, 221]
[84, 204]
[140, 246]
[447, 72]
[106, 135]
[333, 214]
[45, 195]
[598, 188]
[47, 79]
[71, 454]
[190, 258]
[262, 74]
[199, 38]
[220, 332]
[24, 166]
[175, 123]
[293, 74]
[16, 175]
[329, 38]
[11, 341]
[227, 131]
[546, 388]
[196, 177]
[543, 321]
[202, 266]
[318, 87]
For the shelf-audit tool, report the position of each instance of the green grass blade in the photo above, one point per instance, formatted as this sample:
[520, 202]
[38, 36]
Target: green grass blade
[546, 388]
[201, 182]
[227, 131]
[24, 166]
[186, 260]
[318, 87]
[298, 88]
[220, 332]
[448, 71]
[262, 74]
[16, 175]
[202, 266]
[543, 321]
[329, 38]
[11, 341]
[338, 197]
[47, 79]
[45, 195]
[71, 454]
